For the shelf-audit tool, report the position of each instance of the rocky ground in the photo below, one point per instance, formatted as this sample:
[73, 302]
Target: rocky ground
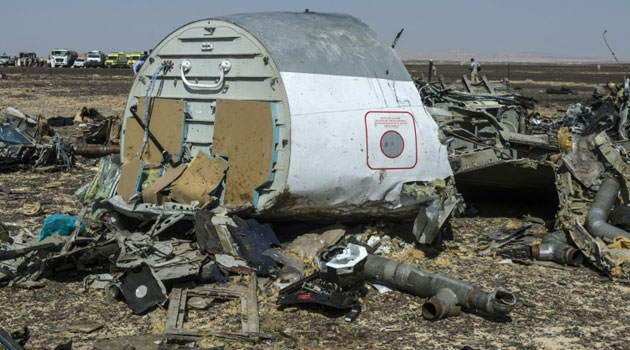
[558, 308]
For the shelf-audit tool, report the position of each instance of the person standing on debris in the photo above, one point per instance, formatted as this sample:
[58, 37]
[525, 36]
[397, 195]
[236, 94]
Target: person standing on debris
[475, 67]
[52, 62]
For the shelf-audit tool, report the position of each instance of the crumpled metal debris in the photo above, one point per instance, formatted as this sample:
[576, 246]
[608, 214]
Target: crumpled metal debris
[34, 128]
[56, 153]
[497, 142]
[576, 198]
[21, 144]
[489, 130]
[608, 112]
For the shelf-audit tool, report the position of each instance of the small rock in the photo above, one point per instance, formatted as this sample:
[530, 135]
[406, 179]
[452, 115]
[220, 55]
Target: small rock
[199, 303]
[84, 326]
[528, 303]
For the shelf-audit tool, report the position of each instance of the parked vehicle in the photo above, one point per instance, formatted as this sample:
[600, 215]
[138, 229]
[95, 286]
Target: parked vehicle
[116, 60]
[132, 58]
[64, 57]
[95, 58]
[7, 60]
[79, 63]
[28, 58]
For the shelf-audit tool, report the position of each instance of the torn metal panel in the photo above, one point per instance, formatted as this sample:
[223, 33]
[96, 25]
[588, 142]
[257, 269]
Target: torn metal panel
[207, 235]
[232, 263]
[143, 210]
[99, 281]
[169, 259]
[130, 179]
[31, 127]
[292, 266]
[602, 141]
[583, 165]
[166, 125]
[426, 225]
[613, 260]
[221, 223]
[200, 178]
[506, 237]
[542, 142]
[12, 136]
[164, 225]
[151, 194]
[141, 288]
[244, 133]
[309, 245]
[474, 160]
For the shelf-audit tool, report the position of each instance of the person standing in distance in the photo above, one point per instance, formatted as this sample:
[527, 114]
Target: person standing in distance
[475, 67]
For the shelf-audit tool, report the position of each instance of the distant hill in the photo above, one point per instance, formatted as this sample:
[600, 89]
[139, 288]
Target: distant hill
[533, 57]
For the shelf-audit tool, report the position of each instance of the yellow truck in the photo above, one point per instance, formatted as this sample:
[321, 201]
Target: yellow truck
[116, 60]
[132, 58]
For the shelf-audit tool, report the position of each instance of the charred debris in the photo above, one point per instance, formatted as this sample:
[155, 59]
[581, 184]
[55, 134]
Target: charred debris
[577, 164]
[173, 222]
[30, 142]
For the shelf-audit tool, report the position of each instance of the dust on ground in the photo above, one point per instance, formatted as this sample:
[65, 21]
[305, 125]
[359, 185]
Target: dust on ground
[557, 308]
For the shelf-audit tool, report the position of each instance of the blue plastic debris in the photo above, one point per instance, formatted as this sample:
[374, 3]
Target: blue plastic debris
[61, 224]
[253, 241]
[11, 135]
[216, 275]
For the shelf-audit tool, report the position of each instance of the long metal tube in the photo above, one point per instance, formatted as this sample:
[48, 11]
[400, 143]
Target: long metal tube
[554, 247]
[8, 342]
[97, 150]
[597, 216]
[447, 294]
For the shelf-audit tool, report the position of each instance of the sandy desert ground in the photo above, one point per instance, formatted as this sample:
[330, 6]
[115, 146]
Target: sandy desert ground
[558, 308]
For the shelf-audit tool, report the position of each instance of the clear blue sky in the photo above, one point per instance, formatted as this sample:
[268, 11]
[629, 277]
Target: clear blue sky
[489, 26]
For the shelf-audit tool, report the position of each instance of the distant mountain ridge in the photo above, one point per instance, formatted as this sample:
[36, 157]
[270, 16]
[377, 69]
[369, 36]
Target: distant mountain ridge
[534, 57]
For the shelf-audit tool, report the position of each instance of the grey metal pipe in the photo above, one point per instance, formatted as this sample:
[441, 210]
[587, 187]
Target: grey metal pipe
[97, 150]
[597, 216]
[447, 295]
[555, 247]
[8, 342]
